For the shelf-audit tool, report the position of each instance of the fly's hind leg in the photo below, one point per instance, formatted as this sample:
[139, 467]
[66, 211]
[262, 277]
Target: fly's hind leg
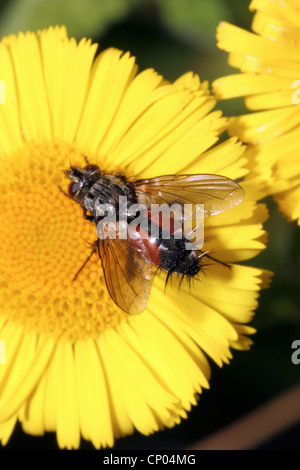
[205, 253]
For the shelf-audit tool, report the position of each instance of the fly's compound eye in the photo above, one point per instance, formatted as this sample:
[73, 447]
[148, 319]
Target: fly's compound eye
[91, 168]
[73, 188]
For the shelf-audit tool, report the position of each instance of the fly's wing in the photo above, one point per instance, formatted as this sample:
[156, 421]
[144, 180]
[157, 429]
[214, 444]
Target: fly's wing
[216, 193]
[127, 271]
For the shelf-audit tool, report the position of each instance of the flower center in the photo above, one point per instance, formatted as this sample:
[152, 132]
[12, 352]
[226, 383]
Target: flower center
[44, 242]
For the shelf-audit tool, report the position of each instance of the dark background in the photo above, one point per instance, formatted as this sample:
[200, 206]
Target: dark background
[175, 36]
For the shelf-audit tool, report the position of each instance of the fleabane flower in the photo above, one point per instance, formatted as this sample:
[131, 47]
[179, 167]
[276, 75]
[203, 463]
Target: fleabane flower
[75, 363]
[270, 82]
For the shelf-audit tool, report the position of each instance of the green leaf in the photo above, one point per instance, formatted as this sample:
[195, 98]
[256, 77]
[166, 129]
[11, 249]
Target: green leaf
[192, 18]
[81, 17]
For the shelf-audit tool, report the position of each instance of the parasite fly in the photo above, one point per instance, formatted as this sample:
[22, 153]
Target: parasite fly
[129, 251]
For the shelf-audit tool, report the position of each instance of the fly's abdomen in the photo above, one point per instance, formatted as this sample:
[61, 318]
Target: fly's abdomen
[172, 255]
[175, 258]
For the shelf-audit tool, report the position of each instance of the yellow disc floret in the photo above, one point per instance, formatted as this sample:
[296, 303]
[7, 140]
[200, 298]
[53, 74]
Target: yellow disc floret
[44, 242]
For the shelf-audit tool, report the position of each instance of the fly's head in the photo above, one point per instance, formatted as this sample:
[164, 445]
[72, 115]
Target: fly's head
[82, 179]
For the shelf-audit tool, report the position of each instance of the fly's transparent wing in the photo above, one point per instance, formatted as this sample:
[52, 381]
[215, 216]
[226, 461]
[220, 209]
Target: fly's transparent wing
[127, 271]
[216, 193]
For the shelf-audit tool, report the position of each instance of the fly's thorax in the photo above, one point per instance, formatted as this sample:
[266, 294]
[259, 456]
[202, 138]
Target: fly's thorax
[110, 191]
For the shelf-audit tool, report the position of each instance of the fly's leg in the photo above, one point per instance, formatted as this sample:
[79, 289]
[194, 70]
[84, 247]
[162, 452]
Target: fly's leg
[94, 249]
[205, 253]
[64, 193]
[95, 244]
[87, 217]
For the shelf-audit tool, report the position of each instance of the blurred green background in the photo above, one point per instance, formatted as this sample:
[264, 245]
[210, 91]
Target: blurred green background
[175, 36]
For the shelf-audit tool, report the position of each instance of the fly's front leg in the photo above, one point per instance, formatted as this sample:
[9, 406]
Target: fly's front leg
[64, 193]
[86, 216]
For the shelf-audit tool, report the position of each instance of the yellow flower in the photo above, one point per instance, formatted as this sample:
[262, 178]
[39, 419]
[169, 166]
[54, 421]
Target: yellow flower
[269, 81]
[75, 363]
